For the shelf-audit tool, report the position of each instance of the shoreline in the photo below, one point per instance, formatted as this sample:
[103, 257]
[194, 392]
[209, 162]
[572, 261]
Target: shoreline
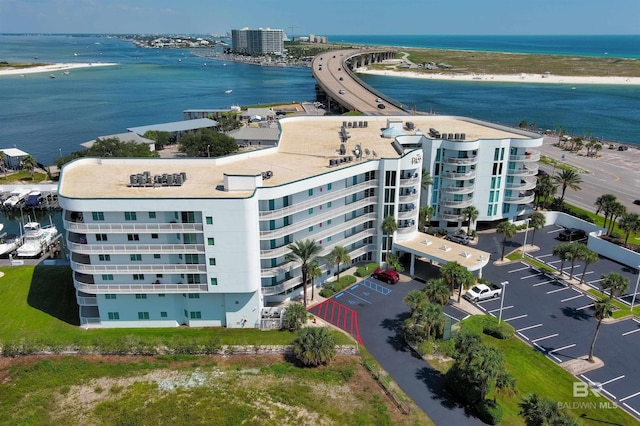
[53, 67]
[506, 78]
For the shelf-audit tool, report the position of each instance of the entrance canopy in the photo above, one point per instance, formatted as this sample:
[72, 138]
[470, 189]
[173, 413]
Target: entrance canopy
[442, 251]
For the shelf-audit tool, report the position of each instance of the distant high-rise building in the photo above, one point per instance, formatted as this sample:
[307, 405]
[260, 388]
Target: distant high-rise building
[261, 41]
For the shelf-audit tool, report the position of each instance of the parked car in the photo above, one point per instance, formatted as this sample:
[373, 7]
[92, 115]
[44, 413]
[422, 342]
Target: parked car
[636, 202]
[388, 275]
[342, 91]
[542, 173]
[482, 292]
[572, 234]
[458, 238]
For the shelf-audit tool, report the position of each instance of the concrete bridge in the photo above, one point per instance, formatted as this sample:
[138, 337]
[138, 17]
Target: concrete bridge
[338, 86]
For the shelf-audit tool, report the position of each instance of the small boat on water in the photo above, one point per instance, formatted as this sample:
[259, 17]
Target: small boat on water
[8, 243]
[33, 199]
[228, 91]
[15, 197]
[52, 76]
[36, 239]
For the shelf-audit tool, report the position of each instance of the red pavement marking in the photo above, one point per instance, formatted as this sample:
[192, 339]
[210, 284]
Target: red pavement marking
[336, 317]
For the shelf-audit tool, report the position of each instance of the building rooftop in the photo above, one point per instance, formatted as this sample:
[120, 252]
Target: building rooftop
[176, 126]
[307, 144]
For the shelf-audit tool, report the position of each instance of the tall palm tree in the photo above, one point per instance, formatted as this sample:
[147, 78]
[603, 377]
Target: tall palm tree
[437, 291]
[589, 257]
[616, 283]
[508, 230]
[602, 201]
[456, 276]
[608, 205]
[415, 298]
[471, 213]
[544, 190]
[574, 254]
[305, 252]
[567, 179]
[314, 272]
[562, 251]
[424, 217]
[29, 163]
[537, 220]
[389, 226]
[485, 366]
[629, 223]
[426, 180]
[338, 256]
[617, 210]
[4, 167]
[603, 309]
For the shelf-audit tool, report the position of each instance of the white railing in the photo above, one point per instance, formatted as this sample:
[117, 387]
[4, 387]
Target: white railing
[140, 288]
[135, 248]
[451, 216]
[87, 301]
[525, 199]
[454, 175]
[409, 182]
[120, 228]
[409, 197]
[138, 269]
[406, 229]
[462, 161]
[459, 189]
[523, 172]
[454, 203]
[332, 195]
[407, 214]
[528, 184]
[534, 155]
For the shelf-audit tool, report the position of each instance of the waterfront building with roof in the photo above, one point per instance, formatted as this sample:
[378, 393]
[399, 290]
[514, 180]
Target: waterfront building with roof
[203, 242]
[261, 41]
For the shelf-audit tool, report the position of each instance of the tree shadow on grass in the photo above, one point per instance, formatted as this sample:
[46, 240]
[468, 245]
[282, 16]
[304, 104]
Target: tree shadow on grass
[435, 382]
[52, 292]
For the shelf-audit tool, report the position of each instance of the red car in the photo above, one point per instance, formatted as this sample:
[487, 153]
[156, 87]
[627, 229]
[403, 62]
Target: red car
[388, 275]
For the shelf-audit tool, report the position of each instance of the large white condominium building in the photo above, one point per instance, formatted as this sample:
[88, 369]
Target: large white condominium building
[202, 242]
[261, 41]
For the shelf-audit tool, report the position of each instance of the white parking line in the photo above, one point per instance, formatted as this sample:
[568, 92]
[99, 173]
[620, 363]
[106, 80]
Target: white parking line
[554, 261]
[594, 281]
[530, 276]
[562, 348]
[505, 308]
[518, 270]
[631, 332]
[523, 336]
[630, 396]
[559, 289]
[612, 380]
[530, 327]
[543, 283]
[515, 318]
[544, 255]
[545, 337]
[627, 405]
[584, 307]
[571, 298]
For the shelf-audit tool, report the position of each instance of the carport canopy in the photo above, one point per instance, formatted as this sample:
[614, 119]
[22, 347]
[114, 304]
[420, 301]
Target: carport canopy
[442, 251]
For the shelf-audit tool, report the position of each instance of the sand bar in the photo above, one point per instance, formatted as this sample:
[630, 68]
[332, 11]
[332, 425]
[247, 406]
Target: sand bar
[53, 67]
[506, 78]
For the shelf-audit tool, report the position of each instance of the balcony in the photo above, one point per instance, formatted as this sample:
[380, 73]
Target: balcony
[137, 227]
[135, 248]
[456, 203]
[409, 181]
[522, 199]
[531, 170]
[523, 184]
[462, 161]
[140, 288]
[450, 216]
[407, 214]
[467, 189]
[139, 269]
[456, 175]
[409, 197]
[530, 155]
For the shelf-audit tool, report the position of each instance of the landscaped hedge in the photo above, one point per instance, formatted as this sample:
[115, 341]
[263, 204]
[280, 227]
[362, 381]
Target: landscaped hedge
[489, 325]
[489, 412]
[366, 270]
[335, 287]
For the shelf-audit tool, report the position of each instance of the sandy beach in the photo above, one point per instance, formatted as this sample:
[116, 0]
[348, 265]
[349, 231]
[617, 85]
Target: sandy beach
[52, 68]
[518, 78]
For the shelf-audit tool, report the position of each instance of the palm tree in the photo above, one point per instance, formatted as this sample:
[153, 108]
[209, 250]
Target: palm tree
[393, 262]
[545, 189]
[574, 254]
[437, 291]
[629, 223]
[536, 220]
[617, 210]
[588, 257]
[305, 252]
[415, 298]
[426, 180]
[603, 309]
[603, 204]
[295, 315]
[562, 251]
[615, 282]
[314, 346]
[567, 179]
[456, 276]
[314, 272]
[536, 410]
[471, 213]
[424, 216]
[389, 226]
[4, 167]
[427, 321]
[505, 384]
[338, 256]
[29, 163]
[508, 230]
[485, 366]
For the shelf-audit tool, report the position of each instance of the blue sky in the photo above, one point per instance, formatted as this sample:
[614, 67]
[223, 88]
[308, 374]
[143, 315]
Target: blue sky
[323, 17]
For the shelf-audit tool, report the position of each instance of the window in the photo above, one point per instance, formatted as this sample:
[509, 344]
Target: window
[190, 238]
[311, 210]
[329, 204]
[194, 296]
[138, 277]
[97, 215]
[104, 257]
[311, 229]
[211, 241]
[188, 217]
[214, 281]
[159, 275]
[141, 296]
[101, 237]
[195, 315]
[152, 215]
[329, 187]
[110, 296]
[212, 261]
[156, 256]
[130, 216]
[193, 279]
[209, 220]
[133, 237]
[310, 192]
[135, 257]
[107, 277]
[186, 313]
[143, 315]
[114, 315]
[163, 314]
[161, 295]
[191, 259]
[328, 238]
[154, 236]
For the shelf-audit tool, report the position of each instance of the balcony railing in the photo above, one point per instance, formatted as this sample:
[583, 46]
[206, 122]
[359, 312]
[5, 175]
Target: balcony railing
[408, 214]
[461, 161]
[467, 189]
[524, 199]
[407, 229]
[451, 216]
[409, 182]
[455, 175]
[138, 227]
[522, 184]
[456, 204]
[135, 248]
[525, 171]
[140, 288]
[139, 269]
[407, 198]
[87, 301]
[531, 155]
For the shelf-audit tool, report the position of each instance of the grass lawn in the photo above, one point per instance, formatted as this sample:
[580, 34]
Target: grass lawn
[39, 309]
[535, 373]
[22, 176]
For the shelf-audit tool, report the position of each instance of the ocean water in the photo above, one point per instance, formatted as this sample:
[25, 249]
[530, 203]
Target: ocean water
[49, 117]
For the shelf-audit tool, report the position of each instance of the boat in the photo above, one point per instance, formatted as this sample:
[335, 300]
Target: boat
[8, 243]
[15, 197]
[52, 76]
[228, 91]
[36, 239]
[33, 199]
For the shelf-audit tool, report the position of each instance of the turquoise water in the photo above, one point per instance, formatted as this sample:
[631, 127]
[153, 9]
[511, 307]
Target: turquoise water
[46, 117]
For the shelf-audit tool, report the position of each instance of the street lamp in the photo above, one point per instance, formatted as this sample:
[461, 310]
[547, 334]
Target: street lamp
[526, 230]
[504, 289]
[208, 153]
[633, 300]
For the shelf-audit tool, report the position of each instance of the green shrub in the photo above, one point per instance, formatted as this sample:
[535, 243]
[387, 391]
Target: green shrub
[489, 412]
[446, 348]
[327, 292]
[425, 347]
[499, 331]
[366, 270]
